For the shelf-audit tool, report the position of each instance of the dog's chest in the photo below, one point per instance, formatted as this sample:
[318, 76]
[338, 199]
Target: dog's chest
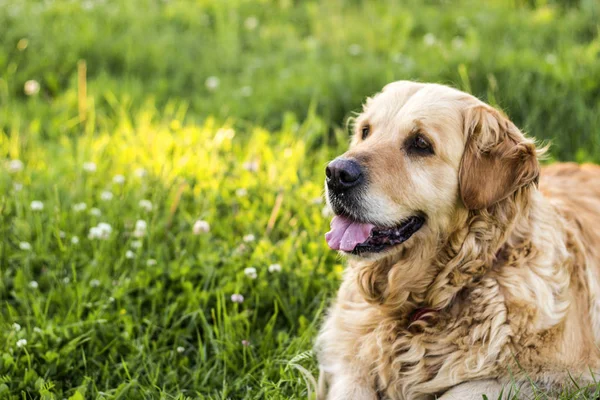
[430, 351]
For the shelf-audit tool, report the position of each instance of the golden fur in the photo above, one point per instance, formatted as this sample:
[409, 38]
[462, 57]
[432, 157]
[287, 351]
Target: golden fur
[509, 268]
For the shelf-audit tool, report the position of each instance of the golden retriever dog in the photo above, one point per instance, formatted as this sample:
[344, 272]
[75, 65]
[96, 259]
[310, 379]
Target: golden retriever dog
[471, 270]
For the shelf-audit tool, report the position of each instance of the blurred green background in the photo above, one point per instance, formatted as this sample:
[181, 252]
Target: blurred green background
[257, 60]
[211, 121]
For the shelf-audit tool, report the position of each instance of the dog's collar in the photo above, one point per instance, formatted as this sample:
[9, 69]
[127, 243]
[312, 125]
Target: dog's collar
[421, 313]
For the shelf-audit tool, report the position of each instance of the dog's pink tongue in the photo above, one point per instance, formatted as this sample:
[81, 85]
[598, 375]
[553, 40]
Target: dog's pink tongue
[346, 234]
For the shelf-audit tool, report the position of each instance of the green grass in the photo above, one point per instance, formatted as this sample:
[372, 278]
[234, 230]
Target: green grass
[99, 324]
[110, 325]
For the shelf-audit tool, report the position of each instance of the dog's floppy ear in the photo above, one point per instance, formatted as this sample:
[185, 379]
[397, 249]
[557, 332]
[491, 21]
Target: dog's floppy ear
[497, 161]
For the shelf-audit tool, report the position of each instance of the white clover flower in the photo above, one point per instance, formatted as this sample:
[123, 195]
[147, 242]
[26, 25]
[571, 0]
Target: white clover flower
[140, 228]
[224, 134]
[180, 349]
[37, 330]
[101, 231]
[16, 327]
[249, 238]
[89, 166]
[62, 234]
[129, 254]
[251, 23]
[33, 285]
[245, 343]
[250, 273]
[17, 186]
[274, 268]
[200, 227]
[241, 192]
[95, 212]
[251, 166]
[66, 280]
[146, 204]
[15, 166]
[106, 196]
[212, 83]
[94, 283]
[136, 244]
[21, 343]
[75, 240]
[105, 227]
[354, 49]
[118, 179]
[79, 207]
[31, 87]
[429, 39]
[140, 224]
[140, 172]
[237, 298]
[246, 91]
[111, 299]
[151, 262]
[25, 246]
[37, 205]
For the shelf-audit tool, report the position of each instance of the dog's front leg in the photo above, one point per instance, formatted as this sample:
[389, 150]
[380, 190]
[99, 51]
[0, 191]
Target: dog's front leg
[346, 385]
[475, 390]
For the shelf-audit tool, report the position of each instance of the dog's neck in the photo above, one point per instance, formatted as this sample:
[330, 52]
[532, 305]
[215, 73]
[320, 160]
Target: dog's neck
[437, 273]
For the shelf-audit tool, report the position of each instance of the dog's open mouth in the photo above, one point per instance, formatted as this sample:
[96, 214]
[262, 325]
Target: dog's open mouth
[358, 238]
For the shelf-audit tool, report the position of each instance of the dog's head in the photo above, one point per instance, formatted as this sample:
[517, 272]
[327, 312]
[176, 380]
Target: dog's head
[421, 153]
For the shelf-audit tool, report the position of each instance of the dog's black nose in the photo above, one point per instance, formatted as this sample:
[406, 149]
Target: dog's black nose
[343, 173]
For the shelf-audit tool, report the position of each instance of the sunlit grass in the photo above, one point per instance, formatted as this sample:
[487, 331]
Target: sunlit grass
[150, 313]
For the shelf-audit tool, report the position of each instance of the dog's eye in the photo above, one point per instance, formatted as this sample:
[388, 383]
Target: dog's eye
[419, 145]
[365, 131]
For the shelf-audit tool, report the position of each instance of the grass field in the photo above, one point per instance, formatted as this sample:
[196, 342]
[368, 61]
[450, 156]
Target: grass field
[161, 168]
